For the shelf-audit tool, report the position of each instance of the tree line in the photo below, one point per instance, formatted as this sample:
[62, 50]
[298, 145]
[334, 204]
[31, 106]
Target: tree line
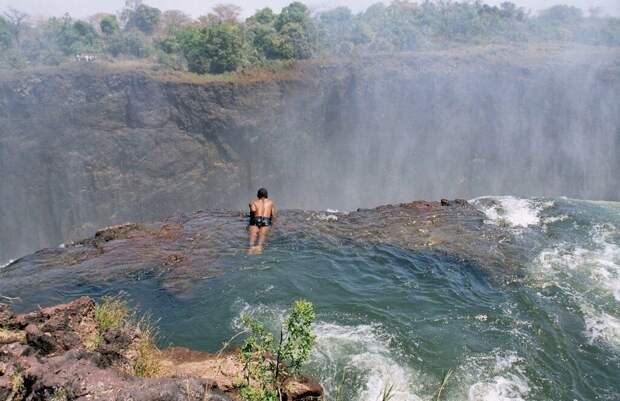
[222, 41]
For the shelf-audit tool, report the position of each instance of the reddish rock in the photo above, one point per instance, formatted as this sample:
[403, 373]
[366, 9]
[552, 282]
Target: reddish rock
[54, 361]
[302, 389]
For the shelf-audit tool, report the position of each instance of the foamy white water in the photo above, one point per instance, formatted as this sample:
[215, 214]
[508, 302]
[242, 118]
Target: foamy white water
[582, 272]
[498, 377]
[510, 210]
[7, 264]
[601, 326]
[363, 350]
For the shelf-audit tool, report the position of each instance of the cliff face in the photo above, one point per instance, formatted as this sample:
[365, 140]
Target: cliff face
[87, 146]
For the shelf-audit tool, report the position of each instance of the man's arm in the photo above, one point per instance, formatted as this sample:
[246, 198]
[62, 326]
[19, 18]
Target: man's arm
[273, 211]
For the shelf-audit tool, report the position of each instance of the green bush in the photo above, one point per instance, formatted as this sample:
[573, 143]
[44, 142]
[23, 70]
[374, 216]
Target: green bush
[143, 18]
[132, 43]
[72, 36]
[109, 25]
[267, 364]
[216, 48]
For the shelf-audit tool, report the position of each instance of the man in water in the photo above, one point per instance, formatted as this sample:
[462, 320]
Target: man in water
[262, 213]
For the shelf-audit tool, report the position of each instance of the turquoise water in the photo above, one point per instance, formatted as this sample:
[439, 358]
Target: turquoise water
[550, 330]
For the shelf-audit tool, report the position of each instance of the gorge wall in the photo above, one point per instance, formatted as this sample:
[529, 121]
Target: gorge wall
[86, 146]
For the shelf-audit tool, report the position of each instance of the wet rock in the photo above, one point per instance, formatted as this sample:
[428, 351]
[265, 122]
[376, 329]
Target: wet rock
[456, 202]
[121, 231]
[302, 389]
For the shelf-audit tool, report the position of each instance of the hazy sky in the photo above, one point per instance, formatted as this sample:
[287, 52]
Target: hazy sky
[82, 8]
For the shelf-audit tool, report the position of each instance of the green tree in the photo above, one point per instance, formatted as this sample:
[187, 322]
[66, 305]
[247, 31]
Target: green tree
[224, 47]
[17, 23]
[132, 43]
[261, 32]
[6, 36]
[109, 25]
[190, 40]
[144, 18]
[296, 13]
[292, 43]
[263, 16]
[336, 26]
[71, 36]
[215, 48]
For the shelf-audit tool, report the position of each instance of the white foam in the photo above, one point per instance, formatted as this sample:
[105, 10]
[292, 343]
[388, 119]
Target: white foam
[500, 388]
[7, 264]
[363, 349]
[511, 211]
[601, 326]
[497, 378]
[270, 315]
[327, 217]
[600, 263]
[584, 271]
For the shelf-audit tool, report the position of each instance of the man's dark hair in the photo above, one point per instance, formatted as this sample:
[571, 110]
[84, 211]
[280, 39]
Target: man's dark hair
[262, 193]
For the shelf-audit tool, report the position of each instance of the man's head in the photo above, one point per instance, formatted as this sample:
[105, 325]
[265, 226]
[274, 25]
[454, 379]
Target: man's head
[262, 194]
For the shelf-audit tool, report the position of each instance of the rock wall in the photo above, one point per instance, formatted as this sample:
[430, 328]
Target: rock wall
[81, 149]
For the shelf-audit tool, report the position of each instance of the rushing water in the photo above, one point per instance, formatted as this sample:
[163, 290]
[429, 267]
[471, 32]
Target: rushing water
[392, 316]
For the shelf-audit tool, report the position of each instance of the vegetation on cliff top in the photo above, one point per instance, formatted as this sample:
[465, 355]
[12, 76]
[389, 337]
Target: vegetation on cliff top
[221, 41]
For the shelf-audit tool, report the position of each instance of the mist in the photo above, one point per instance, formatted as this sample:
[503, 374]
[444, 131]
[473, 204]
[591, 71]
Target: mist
[366, 120]
[196, 8]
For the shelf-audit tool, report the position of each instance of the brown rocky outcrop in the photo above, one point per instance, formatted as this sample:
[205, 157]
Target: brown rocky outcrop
[45, 354]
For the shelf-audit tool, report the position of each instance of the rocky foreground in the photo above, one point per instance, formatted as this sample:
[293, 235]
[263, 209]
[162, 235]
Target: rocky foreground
[51, 354]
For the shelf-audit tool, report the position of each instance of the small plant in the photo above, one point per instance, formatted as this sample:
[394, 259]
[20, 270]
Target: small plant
[341, 385]
[147, 364]
[18, 388]
[61, 394]
[267, 366]
[443, 383]
[249, 393]
[111, 313]
[9, 336]
[388, 392]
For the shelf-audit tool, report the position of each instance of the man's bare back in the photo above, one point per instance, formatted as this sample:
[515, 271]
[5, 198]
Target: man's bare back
[262, 208]
[262, 213]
